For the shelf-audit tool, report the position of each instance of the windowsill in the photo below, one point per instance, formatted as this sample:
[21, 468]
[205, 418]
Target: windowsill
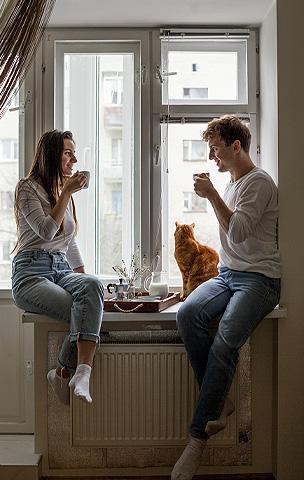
[5, 291]
[165, 320]
[168, 315]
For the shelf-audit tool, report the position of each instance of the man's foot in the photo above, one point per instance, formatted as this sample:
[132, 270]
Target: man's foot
[215, 426]
[80, 382]
[189, 461]
[60, 386]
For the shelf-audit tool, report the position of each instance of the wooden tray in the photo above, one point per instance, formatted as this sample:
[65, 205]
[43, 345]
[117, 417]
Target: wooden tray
[135, 305]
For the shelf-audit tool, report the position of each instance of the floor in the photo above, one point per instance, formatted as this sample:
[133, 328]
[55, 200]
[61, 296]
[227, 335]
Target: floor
[17, 450]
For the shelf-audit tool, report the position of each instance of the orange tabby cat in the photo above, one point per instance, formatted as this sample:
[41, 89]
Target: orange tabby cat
[196, 262]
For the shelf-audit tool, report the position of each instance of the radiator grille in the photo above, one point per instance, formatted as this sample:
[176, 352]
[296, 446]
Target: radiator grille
[143, 394]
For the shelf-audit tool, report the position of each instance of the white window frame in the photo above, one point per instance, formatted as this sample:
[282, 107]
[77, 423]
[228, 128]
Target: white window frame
[180, 113]
[112, 39]
[216, 45]
[151, 155]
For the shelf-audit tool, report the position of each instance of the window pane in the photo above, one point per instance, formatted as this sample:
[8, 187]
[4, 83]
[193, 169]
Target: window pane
[207, 81]
[116, 151]
[9, 173]
[193, 203]
[204, 72]
[184, 205]
[194, 150]
[102, 122]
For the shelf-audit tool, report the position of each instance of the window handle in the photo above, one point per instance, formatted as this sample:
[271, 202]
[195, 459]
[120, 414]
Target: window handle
[144, 74]
[28, 100]
[160, 75]
[157, 154]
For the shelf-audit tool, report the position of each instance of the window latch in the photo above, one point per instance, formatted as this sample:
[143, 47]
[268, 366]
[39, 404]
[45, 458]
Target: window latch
[144, 74]
[157, 153]
[28, 100]
[161, 74]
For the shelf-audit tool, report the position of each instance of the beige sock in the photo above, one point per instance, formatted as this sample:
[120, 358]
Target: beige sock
[189, 461]
[60, 386]
[215, 426]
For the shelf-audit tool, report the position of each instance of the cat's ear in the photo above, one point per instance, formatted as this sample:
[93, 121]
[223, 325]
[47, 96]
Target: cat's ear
[192, 225]
[177, 224]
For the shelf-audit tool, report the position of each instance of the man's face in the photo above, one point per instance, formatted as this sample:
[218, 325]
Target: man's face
[220, 153]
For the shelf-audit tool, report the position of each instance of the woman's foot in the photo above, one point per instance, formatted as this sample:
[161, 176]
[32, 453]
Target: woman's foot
[189, 461]
[80, 382]
[60, 386]
[215, 426]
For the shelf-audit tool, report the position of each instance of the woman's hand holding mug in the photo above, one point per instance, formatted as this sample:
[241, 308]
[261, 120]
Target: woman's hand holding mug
[76, 182]
[86, 173]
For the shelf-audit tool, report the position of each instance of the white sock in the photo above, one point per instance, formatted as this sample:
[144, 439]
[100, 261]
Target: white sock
[59, 386]
[189, 461]
[215, 426]
[80, 382]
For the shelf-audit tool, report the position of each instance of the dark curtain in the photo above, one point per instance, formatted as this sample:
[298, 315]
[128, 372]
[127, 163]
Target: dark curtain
[22, 24]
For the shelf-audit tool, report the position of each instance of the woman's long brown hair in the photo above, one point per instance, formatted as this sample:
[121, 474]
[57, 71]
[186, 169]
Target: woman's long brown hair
[46, 169]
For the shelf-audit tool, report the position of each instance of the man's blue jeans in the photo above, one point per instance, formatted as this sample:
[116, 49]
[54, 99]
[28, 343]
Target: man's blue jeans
[242, 300]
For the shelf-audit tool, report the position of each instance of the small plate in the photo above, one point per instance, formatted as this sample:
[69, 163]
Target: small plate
[147, 298]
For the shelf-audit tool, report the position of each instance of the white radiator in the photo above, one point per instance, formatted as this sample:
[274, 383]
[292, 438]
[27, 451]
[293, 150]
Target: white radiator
[143, 394]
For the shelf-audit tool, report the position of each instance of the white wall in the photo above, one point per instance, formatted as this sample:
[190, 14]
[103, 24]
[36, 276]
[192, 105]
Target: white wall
[290, 465]
[268, 87]
[282, 80]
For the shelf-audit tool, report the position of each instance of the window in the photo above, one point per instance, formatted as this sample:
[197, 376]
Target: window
[8, 149]
[195, 93]
[116, 202]
[6, 200]
[104, 121]
[182, 204]
[210, 70]
[116, 152]
[146, 95]
[11, 137]
[113, 89]
[191, 93]
[194, 151]
[193, 203]
[5, 253]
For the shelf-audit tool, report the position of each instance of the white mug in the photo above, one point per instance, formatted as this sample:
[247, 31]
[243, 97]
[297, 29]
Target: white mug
[195, 175]
[86, 173]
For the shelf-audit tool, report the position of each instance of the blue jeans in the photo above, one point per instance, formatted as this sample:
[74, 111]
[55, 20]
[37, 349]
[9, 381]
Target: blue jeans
[242, 300]
[43, 282]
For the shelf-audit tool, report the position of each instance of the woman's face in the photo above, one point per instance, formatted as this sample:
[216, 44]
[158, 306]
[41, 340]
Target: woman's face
[68, 157]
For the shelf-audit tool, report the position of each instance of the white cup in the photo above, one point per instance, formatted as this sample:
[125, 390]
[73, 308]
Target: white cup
[195, 175]
[86, 173]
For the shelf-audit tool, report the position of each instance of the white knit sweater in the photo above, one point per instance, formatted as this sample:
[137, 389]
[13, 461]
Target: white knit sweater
[37, 229]
[251, 244]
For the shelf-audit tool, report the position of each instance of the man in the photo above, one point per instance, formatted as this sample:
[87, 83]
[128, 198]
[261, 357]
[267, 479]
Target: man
[246, 289]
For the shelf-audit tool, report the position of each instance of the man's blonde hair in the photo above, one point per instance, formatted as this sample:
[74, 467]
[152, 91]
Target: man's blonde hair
[229, 128]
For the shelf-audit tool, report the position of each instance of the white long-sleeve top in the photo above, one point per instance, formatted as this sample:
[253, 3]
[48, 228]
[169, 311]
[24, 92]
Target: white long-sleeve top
[251, 243]
[37, 229]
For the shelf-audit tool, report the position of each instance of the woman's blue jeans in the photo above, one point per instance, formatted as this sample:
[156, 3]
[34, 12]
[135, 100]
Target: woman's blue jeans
[242, 300]
[43, 282]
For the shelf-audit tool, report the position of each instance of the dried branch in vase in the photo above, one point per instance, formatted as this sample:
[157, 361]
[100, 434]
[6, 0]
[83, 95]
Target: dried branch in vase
[135, 271]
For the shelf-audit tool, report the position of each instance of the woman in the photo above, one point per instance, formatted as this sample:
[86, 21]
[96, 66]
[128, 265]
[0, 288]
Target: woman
[48, 271]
